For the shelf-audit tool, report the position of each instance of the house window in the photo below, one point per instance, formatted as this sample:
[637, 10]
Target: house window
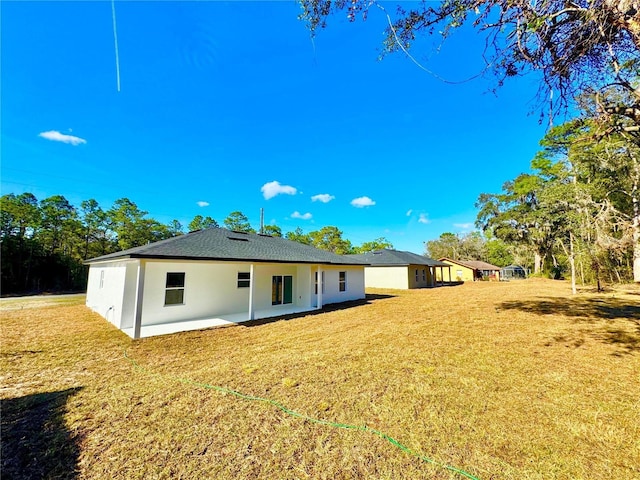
[101, 278]
[424, 275]
[417, 277]
[244, 279]
[174, 293]
[281, 289]
[316, 281]
[342, 281]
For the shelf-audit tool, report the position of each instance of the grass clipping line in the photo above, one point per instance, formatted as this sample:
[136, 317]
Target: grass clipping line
[293, 413]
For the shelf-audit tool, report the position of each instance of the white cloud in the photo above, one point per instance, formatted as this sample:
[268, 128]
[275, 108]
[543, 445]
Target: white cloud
[305, 216]
[423, 219]
[322, 197]
[464, 226]
[409, 212]
[56, 136]
[361, 202]
[271, 189]
[202, 203]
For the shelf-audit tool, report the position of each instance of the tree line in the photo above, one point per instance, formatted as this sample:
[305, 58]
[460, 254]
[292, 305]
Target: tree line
[578, 211]
[575, 214]
[43, 243]
[476, 246]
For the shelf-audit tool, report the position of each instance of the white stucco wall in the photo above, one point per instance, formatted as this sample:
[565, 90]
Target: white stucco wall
[386, 277]
[129, 297]
[355, 284]
[108, 299]
[301, 285]
[210, 291]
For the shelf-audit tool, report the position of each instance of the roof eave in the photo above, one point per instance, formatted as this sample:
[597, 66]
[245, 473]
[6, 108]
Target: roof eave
[218, 259]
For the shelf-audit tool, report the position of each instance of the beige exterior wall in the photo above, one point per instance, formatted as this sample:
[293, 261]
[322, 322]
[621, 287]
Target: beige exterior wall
[413, 276]
[386, 277]
[419, 276]
[459, 273]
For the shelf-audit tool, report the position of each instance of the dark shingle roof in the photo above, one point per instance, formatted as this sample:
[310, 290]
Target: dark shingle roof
[389, 258]
[474, 264]
[222, 244]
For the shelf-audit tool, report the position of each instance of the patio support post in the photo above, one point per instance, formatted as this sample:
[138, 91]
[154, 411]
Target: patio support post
[252, 283]
[320, 286]
[137, 313]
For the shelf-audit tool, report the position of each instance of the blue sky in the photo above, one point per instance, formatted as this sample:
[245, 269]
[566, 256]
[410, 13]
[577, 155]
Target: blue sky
[219, 100]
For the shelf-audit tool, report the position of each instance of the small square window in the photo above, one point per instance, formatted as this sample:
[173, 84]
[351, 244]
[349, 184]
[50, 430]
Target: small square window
[244, 279]
[174, 293]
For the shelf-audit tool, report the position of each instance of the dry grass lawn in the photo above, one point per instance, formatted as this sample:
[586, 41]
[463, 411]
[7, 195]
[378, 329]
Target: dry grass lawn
[514, 380]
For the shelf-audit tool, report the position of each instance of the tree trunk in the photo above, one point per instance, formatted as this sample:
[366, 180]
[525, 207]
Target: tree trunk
[537, 263]
[596, 268]
[572, 262]
[636, 246]
[635, 193]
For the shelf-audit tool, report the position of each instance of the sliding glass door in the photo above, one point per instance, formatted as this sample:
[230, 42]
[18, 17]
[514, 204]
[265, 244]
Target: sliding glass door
[281, 289]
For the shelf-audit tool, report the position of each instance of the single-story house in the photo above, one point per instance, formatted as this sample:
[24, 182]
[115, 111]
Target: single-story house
[399, 269]
[214, 277]
[472, 270]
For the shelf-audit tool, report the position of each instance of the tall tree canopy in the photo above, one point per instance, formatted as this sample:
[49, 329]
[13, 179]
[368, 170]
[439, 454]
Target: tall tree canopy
[378, 244]
[239, 222]
[43, 243]
[273, 230]
[200, 223]
[580, 202]
[330, 239]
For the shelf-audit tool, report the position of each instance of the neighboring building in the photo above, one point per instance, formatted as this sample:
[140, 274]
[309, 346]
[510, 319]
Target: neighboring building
[214, 277]
[399, 269]
[472, 270]
[513, 272]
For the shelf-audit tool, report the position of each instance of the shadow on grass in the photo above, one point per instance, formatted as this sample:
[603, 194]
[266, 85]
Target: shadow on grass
[453, 283]
[594, 311]
[330, 307]
[35, 441]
